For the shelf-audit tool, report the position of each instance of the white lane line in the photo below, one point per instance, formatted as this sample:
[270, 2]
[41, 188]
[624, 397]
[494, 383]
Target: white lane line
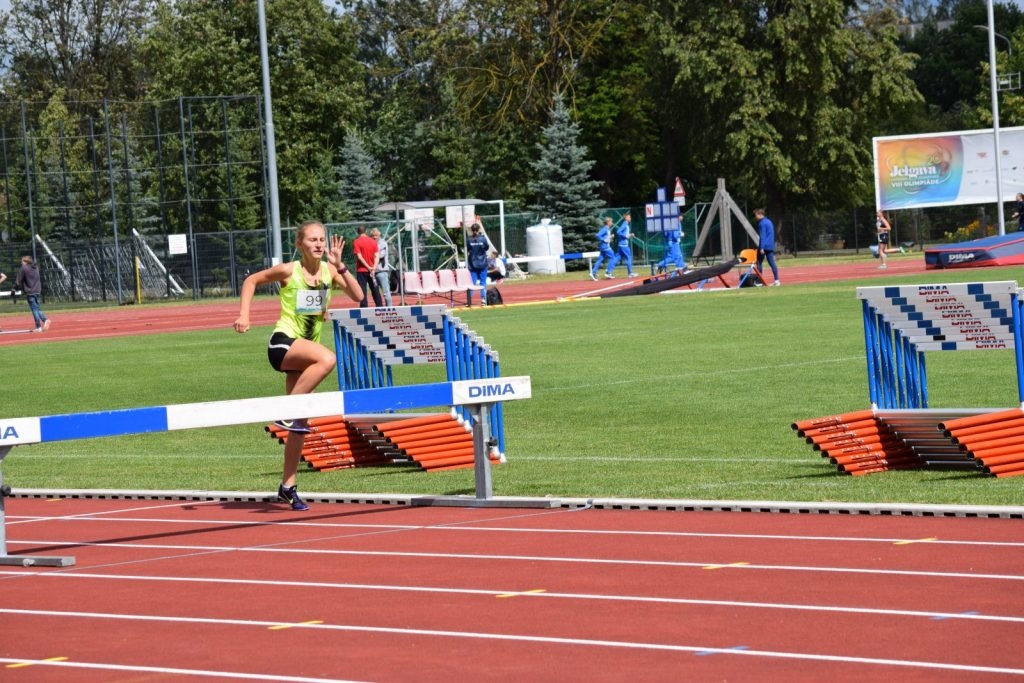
[465, 526]
[525, 558]
[106, 666]
[276, 583]
[547, 640]
[95, 516]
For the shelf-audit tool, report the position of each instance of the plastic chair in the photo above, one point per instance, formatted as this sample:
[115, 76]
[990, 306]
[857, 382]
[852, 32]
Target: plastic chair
[748, 260]
[413, 285]
[432, 285]
[446, 281]
[464, 279]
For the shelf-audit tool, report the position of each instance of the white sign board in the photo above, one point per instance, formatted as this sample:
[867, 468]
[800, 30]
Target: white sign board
[177, 245]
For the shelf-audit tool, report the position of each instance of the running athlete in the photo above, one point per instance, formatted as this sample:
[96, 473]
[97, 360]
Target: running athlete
[623, 252]
[295, 347]
[604, 245]
[883, 229]
[673, 248]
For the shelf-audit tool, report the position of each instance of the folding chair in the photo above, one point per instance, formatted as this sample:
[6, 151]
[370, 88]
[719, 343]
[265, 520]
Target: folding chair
[748, 260]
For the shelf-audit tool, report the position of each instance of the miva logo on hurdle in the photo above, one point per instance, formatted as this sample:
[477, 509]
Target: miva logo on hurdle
[8, 432]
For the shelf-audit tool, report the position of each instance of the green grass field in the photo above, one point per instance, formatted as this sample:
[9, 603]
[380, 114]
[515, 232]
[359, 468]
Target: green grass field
[674, 396]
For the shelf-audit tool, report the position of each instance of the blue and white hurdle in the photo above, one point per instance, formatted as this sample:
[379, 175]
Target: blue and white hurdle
[369, 342]
[475, 395]
[902, 322]
[900, 431]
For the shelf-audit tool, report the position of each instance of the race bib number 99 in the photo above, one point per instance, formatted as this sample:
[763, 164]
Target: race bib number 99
[310, 301]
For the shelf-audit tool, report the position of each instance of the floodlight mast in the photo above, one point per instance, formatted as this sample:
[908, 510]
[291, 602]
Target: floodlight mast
[275, 211]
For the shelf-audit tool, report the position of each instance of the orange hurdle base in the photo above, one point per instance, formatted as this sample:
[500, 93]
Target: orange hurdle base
[868, 441]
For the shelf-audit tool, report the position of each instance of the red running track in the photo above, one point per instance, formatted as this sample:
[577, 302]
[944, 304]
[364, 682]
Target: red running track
[192, 316]
[165, 590]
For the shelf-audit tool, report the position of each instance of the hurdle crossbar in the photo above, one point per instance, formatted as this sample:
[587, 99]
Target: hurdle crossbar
[477, 394]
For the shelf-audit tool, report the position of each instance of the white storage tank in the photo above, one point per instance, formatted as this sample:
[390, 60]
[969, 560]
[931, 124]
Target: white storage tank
[545, 240]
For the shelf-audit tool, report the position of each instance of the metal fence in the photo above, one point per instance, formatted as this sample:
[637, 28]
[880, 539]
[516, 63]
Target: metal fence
[136, 268]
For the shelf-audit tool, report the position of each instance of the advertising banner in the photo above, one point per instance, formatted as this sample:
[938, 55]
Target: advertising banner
[947, 169]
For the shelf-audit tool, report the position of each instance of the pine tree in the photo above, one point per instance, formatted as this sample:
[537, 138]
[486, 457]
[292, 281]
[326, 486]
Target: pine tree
[357, 182]
[562, 184]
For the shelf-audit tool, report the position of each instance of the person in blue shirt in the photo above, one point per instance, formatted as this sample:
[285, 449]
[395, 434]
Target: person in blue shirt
[623, 252]
[604, 246]
[477, 247]
[673, 249]
[766, 244]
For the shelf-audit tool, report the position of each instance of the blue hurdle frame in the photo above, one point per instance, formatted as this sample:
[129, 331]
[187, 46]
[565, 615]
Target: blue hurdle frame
[367, 365]
[896, 367]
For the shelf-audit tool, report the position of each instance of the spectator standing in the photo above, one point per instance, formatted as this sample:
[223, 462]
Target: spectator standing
[383, 273]
[27, 281]
[766, 244]
[604, 246]
[477, 246]
[365, 249]
[1019, 212]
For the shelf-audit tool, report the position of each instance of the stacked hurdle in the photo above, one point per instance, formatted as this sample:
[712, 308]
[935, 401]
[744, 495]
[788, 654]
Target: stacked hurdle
[901, 323]
[369, 342]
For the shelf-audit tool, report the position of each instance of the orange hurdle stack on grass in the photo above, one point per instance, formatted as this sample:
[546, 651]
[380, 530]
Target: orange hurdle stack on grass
[432, 442]
[857, 443]
[332, 444]
[994, 440]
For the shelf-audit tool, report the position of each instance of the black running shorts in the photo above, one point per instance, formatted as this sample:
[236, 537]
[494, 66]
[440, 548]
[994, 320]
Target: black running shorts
[278, 348]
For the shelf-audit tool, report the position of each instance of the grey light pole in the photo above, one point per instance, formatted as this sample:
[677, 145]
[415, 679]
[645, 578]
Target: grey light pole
[275, 211]
[1009, 45]
[994, 85]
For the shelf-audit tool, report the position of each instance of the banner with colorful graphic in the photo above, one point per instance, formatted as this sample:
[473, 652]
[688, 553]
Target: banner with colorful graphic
[946, 169]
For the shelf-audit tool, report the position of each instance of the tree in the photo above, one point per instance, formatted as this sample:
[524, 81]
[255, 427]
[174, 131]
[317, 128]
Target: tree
[358, 188]
[952, 72]
[211, 49]
[84, 47]
[790, 94]
[562, 186]
[625, 84]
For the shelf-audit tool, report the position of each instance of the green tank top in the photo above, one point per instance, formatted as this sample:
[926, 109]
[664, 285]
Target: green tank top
[302, 306]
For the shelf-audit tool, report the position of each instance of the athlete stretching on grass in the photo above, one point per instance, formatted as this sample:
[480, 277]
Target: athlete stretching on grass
[295, 347]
